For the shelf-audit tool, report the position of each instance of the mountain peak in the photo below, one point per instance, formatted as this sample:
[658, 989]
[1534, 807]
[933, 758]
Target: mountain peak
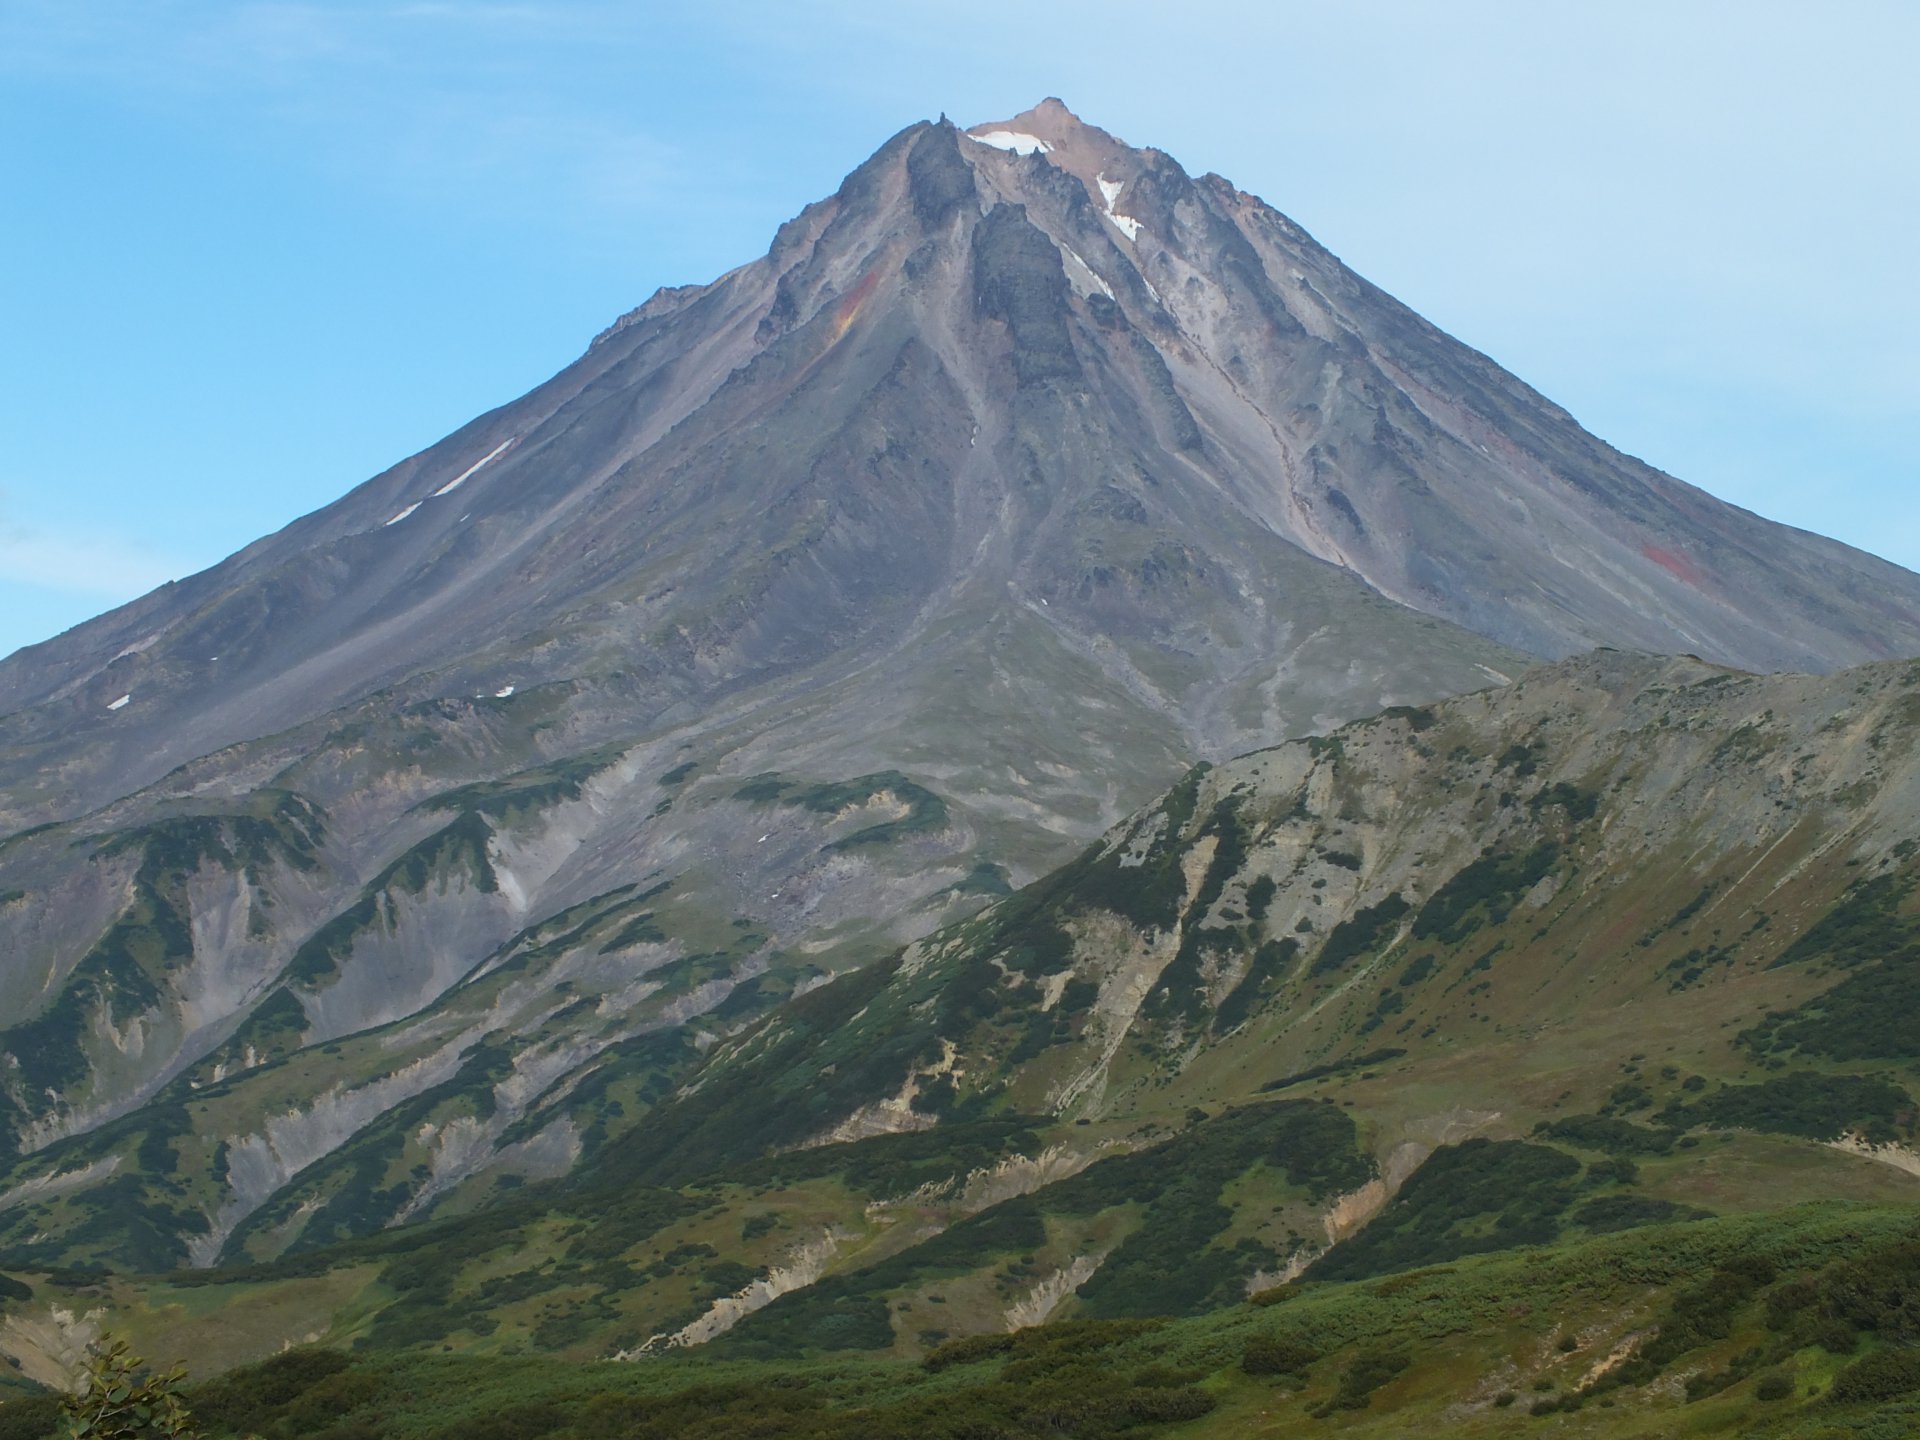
[1051, 111]
[1051, 129]
[1049, 121]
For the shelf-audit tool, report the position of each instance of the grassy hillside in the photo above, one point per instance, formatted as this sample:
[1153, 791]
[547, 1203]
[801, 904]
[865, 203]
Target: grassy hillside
[1597, 989]
[1798, 1324]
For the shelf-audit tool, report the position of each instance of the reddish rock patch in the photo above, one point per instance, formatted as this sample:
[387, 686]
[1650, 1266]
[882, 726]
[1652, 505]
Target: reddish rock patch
[1673, 562]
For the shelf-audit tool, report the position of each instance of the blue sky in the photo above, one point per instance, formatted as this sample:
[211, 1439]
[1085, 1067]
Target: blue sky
[254, 252]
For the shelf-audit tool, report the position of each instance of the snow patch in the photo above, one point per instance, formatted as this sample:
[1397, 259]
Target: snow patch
[1082, 276]
[1110, 193]
[1016, 141]
[485, 460]
[121, 703]
[403, 514]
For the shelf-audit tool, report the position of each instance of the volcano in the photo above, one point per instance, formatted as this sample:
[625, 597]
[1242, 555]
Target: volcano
[807, 611]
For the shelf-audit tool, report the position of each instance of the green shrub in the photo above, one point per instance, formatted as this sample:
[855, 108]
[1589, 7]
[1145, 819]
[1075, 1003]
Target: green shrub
[1580, 805]
[1360, 933]
[1171, 1264]
[244, 1401]
[1872, 1014]
[1277, 1355]
[1164, 1377]
[33, 1418]
[1883, 1375]
[1370, 1369]
[1623, 1212]
[1805, 1103]
[1477, 1196]
[1609, 1133]
[121, 1400]
[1490, 886]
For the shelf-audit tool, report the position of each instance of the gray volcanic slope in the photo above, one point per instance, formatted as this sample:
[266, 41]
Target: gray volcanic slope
[960, 387]
[822, 601]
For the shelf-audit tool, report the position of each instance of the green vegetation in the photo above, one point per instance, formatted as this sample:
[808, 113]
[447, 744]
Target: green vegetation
[1873, 1013]
[926, 811]
[1609, 1133]
[1818, 1107]
[1332, 1067]
[531, 791]
[272, 826]
[1580, 805]
[1173, 1264]
[986, 878]
[1736, 1306]
[1483, 892]
[891, 1165]
[1865, 925]
[850, 1311]
[786, 1078]
[1366, 1373]
[1609, 1213]
[1501, 1274]
[121, 975]
[457, 851]
[121, 1400]
[1181, 990]
[1360, 934]
[1049, 1381]
[1806, 1306]
[1418, 718]
[1277, 1355]
[1468, 1198]
[1149, 892]
[1269, 964]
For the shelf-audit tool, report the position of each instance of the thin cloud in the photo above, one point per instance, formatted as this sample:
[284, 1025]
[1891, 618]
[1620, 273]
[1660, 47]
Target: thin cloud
[427, 105]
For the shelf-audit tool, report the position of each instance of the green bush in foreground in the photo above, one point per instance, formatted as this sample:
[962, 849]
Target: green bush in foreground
[121, 1401]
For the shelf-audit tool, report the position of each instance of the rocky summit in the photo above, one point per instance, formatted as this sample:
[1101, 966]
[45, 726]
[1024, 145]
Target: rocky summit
[679, 860]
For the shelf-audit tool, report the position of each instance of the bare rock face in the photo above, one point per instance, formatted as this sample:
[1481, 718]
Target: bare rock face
[809, 609]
